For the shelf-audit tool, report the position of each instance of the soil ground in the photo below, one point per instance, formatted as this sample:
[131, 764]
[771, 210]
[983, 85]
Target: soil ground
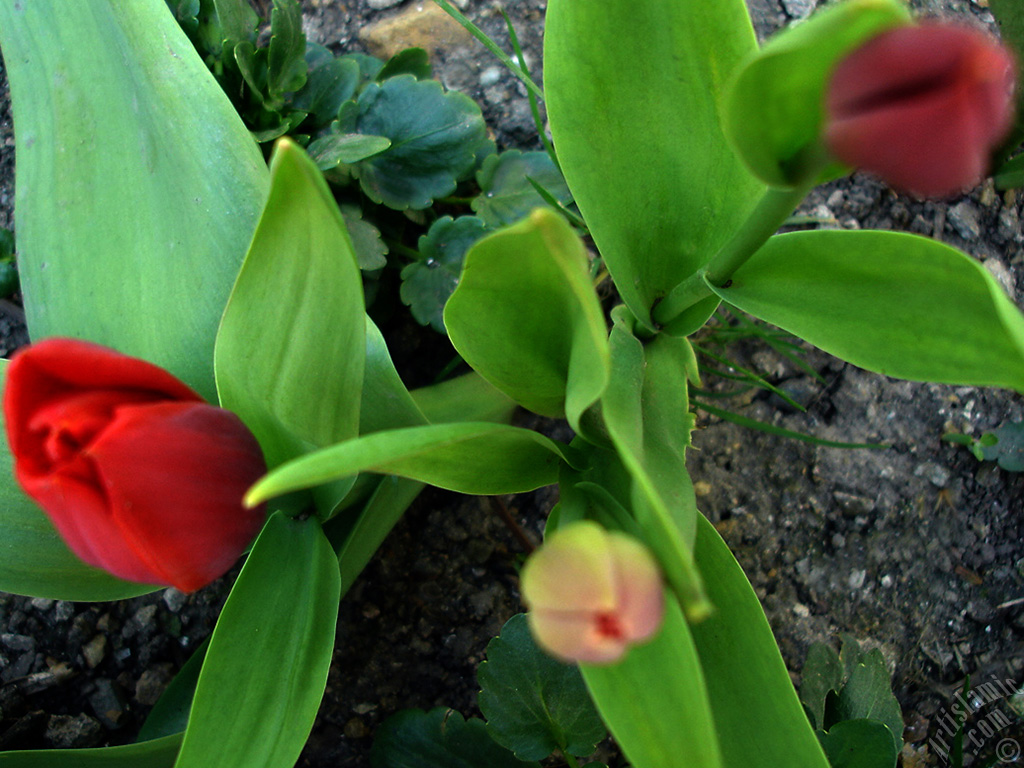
[917, 549]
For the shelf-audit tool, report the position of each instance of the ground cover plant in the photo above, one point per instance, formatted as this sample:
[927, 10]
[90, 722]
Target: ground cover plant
[294, 356]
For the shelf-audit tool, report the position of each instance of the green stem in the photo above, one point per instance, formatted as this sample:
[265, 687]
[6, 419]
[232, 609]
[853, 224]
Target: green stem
[768, 215]
[569, 759]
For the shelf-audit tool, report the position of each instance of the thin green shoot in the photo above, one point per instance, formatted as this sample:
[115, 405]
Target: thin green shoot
[534, 106]
[745, 374]
[491, 46]
[551, 200]
[771, 429]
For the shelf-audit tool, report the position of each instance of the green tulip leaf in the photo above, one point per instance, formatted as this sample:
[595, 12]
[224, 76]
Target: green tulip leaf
[633, 90]
[428, 284]
[774, 107]
[533, 704]
[292, 344]
[386, 403]
[859, 744]
[34, 560]
[279, 618]
[1010, 17]
[170, 713]
[526, 317]
[440, 738]
[1010, 175]
[119, 199]
[893, 303]
[434, 136]
[469, 457]
[647, 417]
[758, 717]
[655, 703]
[159, 753]
[506, 194]
[466, 398]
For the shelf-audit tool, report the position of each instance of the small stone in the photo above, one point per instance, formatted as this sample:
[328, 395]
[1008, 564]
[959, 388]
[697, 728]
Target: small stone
[933, 473]
[420, 26]
[857, 579]
[151, 685]
[67, 732]
[356, 729]
[380, 5]
[886, 581]
[41, 603]
[174, 599]
[17, 642]
[798, 9]
[966, 220]
[1001, 274]
[107, 704]
[95, 650]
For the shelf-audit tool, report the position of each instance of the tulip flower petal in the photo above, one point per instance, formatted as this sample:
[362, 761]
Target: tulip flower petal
[923, 107]
[175, 474]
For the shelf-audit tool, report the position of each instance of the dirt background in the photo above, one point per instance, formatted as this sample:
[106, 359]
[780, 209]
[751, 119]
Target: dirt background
[916, 550]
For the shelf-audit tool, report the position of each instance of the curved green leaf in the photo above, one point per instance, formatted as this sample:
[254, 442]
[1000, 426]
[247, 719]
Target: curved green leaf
[132, 220]
[267, 663]
[859, 744]
[469, 457]
[526, 317]
[434, 136]
[758, 717]
[159, 753]
[655, 703]
[534, 705]
[291, 347]
[894, 303]
[169, 715]
[632, 95]
[34, 560]
[773, 110]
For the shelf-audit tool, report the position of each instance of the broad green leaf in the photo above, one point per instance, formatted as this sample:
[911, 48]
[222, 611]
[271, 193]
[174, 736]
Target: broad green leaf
[526, 317]
[466, 398]
[468, 457]
[774, 107]
[237, 20]
[356, 540]
[411, 61]
[159, 753]
[427, 284]
[434, 136]
[1010, 17]
[868, 694]
[533, 704]
[655, 703]
[371, 250]
[633, 90]
[645, 411]
[386, 403]
[894, 303]
[132, 221]
[1011, 174]
[758, 717]
[506, 195]
[267, 663]
[440, 738]
[169, 715]
[859, 744]
[291, 348]
[822, 674]
[33, 558]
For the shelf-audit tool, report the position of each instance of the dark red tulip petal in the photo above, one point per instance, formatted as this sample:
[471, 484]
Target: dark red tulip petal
[923, 107]
[175, 475]
[139, 475]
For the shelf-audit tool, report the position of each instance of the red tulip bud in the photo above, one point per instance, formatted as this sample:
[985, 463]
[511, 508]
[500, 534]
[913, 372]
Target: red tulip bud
[592, 594]
[139, 475]
[923, 107]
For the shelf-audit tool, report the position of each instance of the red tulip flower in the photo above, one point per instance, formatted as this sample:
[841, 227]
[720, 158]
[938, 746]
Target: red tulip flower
[140, 476]
[592, 594]
[922, 107]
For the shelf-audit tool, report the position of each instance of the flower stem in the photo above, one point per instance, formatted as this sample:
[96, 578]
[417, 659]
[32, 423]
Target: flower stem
[768, 215]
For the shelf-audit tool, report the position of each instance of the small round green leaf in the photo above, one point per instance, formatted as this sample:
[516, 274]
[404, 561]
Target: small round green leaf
[506, 194]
